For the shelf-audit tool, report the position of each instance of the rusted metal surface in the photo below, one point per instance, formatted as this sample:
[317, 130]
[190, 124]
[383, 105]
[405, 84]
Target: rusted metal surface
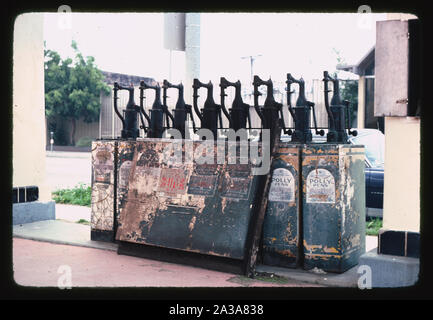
[202, 208]
[103, 190]
[281, 234]
[333, 188]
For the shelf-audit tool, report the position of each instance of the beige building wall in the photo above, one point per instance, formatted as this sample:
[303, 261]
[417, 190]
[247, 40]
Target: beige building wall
[401, 203]
[29, 104]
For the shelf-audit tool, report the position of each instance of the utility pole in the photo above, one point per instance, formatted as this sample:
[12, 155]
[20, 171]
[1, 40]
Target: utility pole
[252, 59]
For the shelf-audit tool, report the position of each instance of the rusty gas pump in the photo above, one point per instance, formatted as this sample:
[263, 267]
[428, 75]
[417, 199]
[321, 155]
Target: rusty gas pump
[238, 114]
[206, 214]
[181, 111]
[338, 111]
[281, 227]
[271, 113]
[211, 112]
[333, 193]
[156, 127]
[130, 114]
[104, 162]
[301, 113]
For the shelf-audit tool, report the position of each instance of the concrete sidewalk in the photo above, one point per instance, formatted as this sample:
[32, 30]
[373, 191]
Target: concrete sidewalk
[68, 154]
[65, 231]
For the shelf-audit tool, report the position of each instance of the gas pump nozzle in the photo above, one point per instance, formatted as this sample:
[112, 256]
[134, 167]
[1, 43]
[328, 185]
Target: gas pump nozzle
[354, 133]
[337, 111]
[269, 113]
[289, 81]
[181, 111]
[129, 119]
[143, 112]
[239, 112]
[211, 112]
[156, 113]
[301, 113]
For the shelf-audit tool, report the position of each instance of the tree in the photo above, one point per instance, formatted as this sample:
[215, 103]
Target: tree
[349, 92]
[73, 88]
[348, 88]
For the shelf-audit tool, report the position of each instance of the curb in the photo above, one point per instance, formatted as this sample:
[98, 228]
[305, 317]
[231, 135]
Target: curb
[105, 246]
[66, 154]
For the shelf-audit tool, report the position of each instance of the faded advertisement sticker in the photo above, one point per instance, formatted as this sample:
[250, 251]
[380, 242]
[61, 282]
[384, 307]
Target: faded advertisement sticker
[103, 163]
[320, 187]
[202, 185]
[282, 186]
[148, 179]
[124, 174]
[237, 188]
[172, 182]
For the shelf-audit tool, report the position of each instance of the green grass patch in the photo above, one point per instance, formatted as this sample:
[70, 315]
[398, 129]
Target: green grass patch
[79, 195]
[83, 221]
[271, 277]
[84, 142]
[259, 276]
[372, 226]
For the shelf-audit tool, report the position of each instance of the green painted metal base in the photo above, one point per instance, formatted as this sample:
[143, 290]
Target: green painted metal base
[333, 206]
[281, 227]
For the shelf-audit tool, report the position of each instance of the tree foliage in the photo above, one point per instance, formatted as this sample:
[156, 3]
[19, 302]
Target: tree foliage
[73, 88]
[348, 88]
[349, 92]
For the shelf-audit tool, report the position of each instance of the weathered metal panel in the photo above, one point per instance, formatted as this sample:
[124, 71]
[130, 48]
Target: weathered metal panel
[203, 208]
[103, 189]
[333, 187]
[281, 234]
[391, 91]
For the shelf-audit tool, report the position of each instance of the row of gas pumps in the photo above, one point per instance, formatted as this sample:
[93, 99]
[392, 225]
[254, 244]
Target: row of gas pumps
[307, 211]
[238, 115]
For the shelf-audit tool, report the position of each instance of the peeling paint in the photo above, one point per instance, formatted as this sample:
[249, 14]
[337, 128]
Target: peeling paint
[192, 223]
[330, 250]
[184, 206]
[280, 229]
[311, 247]
[102, 185]
[336, 227]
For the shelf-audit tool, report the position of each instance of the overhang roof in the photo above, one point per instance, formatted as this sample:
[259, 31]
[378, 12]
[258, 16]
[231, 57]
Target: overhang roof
[361, 66]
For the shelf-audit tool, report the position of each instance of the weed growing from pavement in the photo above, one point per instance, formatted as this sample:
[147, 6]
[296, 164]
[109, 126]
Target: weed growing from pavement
[79, 195]
[83, 221]
[270, 277]
[372, 226]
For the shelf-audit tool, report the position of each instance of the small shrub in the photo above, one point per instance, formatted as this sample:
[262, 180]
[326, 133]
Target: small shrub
[80, 195]
[84, 142]
[373, 226]
[83, 221]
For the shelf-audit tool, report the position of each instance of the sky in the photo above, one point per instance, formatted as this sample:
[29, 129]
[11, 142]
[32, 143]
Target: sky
[302, 44]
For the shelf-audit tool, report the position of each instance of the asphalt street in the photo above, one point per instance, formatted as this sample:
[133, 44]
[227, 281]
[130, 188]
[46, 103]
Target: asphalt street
[67, 169]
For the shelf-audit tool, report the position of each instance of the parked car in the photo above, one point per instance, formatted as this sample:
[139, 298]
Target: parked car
[374, 142]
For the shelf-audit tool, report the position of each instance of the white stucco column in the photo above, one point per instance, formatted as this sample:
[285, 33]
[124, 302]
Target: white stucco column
[401, 203]
[28, 135]
[192, 52]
